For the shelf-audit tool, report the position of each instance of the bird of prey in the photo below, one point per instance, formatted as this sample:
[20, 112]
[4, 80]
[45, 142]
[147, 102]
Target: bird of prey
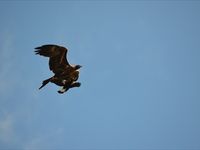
[65, 75]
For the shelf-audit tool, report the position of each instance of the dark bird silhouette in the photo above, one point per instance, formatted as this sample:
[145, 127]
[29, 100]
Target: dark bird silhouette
[65, 75]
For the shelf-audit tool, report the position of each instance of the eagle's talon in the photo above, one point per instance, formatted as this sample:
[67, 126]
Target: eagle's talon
[60, 92]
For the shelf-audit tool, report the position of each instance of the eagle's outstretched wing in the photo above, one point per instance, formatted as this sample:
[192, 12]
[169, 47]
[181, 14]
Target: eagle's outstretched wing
[57, 57]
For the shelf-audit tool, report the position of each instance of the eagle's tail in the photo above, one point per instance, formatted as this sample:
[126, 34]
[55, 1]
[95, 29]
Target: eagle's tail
[45, 82]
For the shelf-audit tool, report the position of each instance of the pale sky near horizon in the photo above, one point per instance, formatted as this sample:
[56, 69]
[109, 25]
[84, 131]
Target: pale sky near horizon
[140, 77]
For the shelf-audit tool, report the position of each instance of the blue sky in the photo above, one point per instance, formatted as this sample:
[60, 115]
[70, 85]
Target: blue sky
[140, 76]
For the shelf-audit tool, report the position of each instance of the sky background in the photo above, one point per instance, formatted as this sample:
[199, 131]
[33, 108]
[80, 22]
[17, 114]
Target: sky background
[140, 77]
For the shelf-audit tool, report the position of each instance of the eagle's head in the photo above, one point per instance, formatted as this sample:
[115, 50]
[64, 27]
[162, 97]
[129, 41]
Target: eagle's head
[76, 67]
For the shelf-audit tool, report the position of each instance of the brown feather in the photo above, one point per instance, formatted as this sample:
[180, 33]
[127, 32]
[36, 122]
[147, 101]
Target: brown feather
[57, 57]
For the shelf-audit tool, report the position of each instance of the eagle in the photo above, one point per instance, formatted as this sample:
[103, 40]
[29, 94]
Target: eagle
[65, 75]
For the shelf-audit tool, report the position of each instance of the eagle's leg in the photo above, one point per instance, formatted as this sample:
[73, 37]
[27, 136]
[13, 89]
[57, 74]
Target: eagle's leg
[66, 88]
[45, 82]
[63, 90]
[75, 84]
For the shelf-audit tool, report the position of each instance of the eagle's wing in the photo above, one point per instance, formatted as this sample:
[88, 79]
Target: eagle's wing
[57, 57]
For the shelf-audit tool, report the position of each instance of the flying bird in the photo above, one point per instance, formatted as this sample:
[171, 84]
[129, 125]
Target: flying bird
[65, 75]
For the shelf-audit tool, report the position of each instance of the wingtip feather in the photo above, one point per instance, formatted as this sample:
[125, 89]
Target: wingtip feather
[36, 52]
[38, 47]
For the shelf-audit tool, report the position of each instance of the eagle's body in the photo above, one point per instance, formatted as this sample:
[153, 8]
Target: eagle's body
[66, 75]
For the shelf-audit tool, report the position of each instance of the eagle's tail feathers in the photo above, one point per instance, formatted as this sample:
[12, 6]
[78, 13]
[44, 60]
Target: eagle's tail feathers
[45, 82]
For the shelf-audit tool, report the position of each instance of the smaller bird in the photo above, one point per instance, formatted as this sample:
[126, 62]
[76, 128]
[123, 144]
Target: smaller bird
[65, 75]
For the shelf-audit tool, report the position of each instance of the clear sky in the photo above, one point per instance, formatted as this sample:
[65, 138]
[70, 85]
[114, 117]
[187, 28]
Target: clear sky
[140, 77]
